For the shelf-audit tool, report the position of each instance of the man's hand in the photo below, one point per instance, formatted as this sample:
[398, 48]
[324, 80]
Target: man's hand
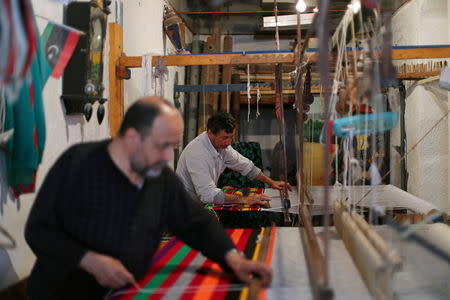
[244, 268]
[108, 271]
[279, 185]
[260, 199]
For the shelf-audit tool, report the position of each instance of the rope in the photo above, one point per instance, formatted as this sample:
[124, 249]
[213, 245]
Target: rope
[228, 100]
[277, 36]
[161, 72]
[258, 98]
[204, 107]
[2, 109]
[248, 92]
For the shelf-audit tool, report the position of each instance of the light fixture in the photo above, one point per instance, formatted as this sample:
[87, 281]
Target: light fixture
[288, 20]
[355, 6]
[301, 5]
[315, 10]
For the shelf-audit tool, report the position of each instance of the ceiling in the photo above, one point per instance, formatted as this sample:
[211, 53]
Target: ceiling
[246, 17]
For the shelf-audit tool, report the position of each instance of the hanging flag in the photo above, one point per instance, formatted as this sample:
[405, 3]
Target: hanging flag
[59, 42]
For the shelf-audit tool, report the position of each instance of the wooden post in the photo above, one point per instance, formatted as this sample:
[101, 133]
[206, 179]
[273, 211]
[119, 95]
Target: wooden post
[236, 108]
[115, 83]
[215, 70]
[226, 75]
[205, 109]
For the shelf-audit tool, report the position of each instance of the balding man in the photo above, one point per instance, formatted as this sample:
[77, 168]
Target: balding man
[99, 215]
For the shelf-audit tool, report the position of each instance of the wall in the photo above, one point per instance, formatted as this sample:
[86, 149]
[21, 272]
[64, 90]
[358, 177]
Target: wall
[421, 22]
[63, 131]
[143, 34]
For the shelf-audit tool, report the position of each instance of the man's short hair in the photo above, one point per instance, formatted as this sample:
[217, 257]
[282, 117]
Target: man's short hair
[221, 121]
[141, 114]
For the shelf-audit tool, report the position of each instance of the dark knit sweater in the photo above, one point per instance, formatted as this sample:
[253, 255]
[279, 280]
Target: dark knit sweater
[87, 203]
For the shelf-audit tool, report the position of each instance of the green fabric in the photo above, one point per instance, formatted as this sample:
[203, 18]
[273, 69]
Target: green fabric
[251, 150]
[26, 116]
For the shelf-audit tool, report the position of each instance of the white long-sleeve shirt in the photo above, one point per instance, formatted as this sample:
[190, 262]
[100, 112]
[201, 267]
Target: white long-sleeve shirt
[200, 166]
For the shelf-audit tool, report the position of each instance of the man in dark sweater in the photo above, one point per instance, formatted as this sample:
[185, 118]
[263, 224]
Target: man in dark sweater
[99, 215]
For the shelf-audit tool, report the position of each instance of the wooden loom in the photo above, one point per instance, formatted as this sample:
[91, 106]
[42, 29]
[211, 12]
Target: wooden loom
[119, 64]
[375, 261]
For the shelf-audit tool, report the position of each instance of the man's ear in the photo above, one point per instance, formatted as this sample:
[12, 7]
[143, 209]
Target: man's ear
[132, 138]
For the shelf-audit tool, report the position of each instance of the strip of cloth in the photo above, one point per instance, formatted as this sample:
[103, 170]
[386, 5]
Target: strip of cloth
[179, 272]
[236, 207]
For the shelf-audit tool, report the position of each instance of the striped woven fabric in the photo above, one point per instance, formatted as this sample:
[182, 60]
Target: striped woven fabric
[179, 272]
[236, 207]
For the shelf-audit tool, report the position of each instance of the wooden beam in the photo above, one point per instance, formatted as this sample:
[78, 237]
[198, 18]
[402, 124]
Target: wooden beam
[398, 53]
[313, 256]
[420, 52]
[213, 59]
[267, 91]
[115, 83]
[401, 52]
[416, 75]
[287, 99]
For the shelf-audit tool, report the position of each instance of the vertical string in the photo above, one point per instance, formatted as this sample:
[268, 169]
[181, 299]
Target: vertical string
[248, 92]
[204, 107]
[228, 100]
[277, 37]
[2, 108]
[258, 97]
[336, 162]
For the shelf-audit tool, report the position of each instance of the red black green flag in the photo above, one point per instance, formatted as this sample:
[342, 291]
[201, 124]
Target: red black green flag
[59, 42]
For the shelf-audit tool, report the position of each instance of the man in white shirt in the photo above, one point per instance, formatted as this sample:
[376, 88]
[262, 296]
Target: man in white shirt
[207, 156]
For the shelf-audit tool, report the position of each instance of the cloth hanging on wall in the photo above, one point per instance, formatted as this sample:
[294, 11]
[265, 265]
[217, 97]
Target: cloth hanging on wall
[147, 89]
[160, 74]
[26, 116]
[4, 40]
[22, 43]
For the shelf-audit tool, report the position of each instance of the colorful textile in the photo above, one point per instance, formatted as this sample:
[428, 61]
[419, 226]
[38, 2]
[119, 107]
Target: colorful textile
[239, 215]
[179, 272]
[236, 207]
[59, 43]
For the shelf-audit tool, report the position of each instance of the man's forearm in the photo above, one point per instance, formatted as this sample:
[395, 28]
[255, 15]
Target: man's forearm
[264, 178]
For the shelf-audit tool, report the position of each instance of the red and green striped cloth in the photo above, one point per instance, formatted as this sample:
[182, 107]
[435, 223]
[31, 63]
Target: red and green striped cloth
[236, 207]
[179, 272]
